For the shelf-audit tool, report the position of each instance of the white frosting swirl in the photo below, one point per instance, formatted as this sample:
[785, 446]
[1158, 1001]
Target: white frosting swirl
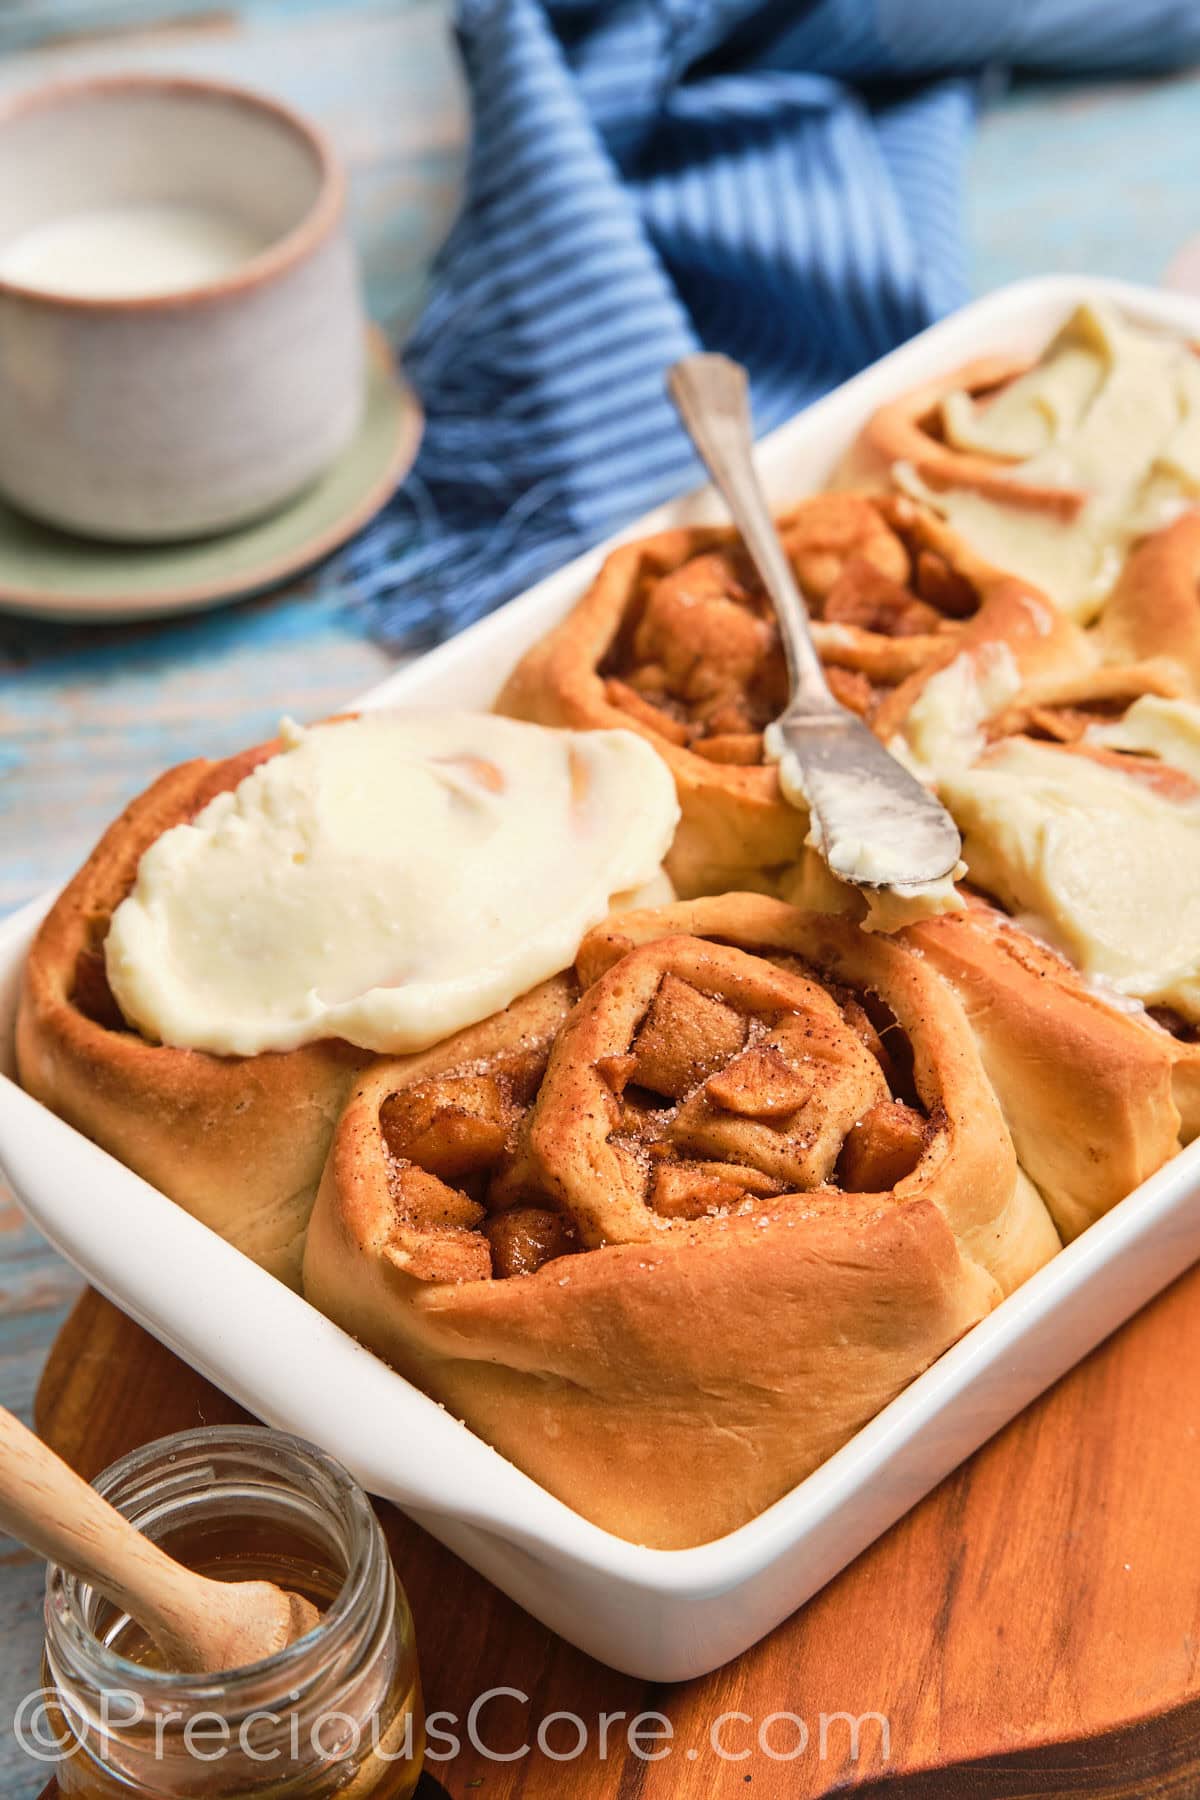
[386, 880]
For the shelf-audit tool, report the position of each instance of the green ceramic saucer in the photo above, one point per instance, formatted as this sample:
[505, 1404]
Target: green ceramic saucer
[51, 575]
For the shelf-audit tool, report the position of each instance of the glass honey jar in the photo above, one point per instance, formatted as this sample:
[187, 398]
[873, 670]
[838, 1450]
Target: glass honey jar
[337, 1713]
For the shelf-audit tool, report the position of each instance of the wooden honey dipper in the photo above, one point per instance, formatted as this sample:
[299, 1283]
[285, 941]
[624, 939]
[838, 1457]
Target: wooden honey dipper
[201, 1626]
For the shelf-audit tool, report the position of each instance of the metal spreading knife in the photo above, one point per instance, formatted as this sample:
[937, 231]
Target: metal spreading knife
[873, 822]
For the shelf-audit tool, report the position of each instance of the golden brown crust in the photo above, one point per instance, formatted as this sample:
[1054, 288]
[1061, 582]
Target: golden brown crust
[1154, 609]
[673, 1374]
[640, 1390]
[1096, 1099]
[239, 1142]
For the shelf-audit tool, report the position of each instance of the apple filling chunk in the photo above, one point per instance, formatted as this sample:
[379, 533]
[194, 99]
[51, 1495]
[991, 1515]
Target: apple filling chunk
[684, 1036]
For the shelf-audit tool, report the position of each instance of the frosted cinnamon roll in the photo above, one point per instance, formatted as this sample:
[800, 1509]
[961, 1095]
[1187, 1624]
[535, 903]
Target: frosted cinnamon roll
[677, 641]
[203, 992]
[668, 1233]
[1076, 786]
[1050, 468]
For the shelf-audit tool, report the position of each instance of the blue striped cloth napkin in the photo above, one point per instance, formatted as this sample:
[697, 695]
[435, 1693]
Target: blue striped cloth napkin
[779, 181]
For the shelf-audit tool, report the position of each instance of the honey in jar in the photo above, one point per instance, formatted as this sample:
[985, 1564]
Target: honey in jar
[336, 1714]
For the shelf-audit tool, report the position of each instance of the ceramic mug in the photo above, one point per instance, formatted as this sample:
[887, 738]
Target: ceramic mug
[152, 415]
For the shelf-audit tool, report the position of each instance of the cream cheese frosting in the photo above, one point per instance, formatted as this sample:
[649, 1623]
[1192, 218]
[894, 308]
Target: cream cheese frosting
[387, 880]
[944, 726]
[1100, 861]
[1111, 409]
[1104, 859]
[1156, 726]
[811, 885]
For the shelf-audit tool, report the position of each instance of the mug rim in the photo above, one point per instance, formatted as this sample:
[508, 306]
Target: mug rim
[318, 222]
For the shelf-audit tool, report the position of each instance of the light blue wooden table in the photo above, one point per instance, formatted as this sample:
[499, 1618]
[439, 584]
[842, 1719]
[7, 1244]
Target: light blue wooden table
[1100, 179]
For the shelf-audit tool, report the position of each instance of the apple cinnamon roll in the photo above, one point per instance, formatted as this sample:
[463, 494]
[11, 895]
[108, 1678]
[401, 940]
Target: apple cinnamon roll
[1050, 467]
[676, 640]
[668, 1231]
[1076, 786]
[247, 935]
[1096, 1094]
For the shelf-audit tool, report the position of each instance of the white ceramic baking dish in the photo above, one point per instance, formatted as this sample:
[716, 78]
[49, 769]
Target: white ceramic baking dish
[664, 1615]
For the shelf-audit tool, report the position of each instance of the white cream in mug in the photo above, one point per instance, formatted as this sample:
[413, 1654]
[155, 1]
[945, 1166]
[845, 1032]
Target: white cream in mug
[130, 251]
[386, 880]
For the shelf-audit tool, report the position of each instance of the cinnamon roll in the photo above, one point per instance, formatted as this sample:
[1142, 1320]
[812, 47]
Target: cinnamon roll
[676, 640]
[668, 1231]
[1076, 786]
[202, 994]
[1051, 467]
[1097, 1094]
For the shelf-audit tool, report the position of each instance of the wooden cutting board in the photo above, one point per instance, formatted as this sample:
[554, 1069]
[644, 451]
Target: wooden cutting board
[1032, 1629]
